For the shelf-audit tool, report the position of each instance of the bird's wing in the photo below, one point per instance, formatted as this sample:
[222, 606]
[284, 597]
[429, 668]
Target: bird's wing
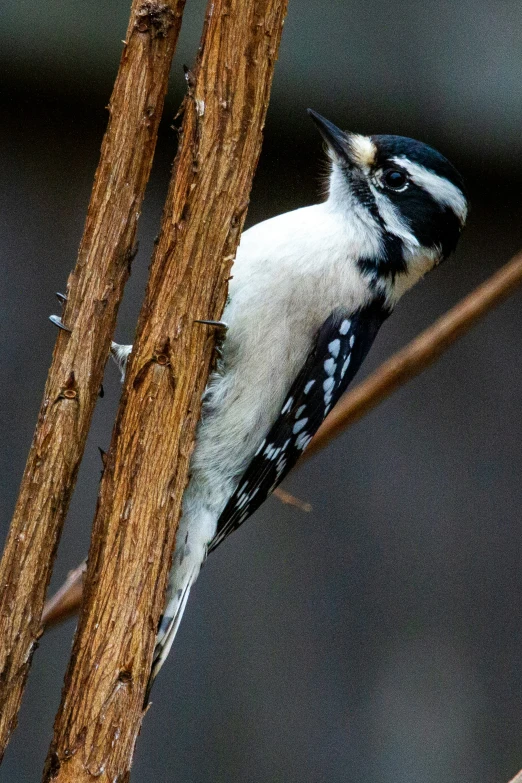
[338, 351]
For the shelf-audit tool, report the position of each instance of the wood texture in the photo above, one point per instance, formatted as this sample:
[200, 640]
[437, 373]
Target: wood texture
[94, 289]
[419, 354]
[147, 463]
[396, 371]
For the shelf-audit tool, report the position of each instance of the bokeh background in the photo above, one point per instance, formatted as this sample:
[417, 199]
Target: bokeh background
[377, 639]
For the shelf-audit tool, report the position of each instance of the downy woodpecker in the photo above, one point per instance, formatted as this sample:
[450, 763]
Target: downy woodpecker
[309, 292]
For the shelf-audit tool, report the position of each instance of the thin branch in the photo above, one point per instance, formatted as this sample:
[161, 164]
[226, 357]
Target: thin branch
[147, 464]
[66, 601]
[405, 364]
[291, 500]
[517, 778]
[95, 288]
[419, 354]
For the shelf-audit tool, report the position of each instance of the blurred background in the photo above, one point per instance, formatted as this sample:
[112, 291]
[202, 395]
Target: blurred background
[378, 638]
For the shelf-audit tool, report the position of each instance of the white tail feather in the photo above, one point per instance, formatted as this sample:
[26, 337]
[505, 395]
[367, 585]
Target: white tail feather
[168, 629]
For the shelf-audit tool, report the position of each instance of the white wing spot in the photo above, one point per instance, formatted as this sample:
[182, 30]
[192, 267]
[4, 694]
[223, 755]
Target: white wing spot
[288, 405]
[299, 411]
[352, 340]
[298, 426]
[281, 465]
[302, 441]
[269, 451]
[329, 366]
[308, 386]
[345, 365]
[327, 399]
[343, 329]
[329, 384]
[260, 449]
[334, 348]
[242, 501]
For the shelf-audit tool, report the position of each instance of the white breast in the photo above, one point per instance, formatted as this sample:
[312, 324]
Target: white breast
[289, 274]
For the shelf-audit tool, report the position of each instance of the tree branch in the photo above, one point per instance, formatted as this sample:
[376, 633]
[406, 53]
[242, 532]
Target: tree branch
[291, 500]
[66, 601]
[95, 288]
[147, 464]
[396, 371]
[419, 354]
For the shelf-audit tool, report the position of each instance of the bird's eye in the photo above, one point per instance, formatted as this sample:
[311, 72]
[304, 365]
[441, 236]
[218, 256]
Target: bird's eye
[394, 179]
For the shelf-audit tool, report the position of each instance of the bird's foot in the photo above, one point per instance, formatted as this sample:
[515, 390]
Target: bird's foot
[215, 324]
[56, 319]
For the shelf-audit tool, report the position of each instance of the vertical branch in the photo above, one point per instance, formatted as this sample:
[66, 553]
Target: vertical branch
[411, 360]
[147, 464]
[95, 288]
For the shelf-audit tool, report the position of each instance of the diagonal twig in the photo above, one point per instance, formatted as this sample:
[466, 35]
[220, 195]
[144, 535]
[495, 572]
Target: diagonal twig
[67, 599]
[291, 500]
[396, 371]
[419, 354]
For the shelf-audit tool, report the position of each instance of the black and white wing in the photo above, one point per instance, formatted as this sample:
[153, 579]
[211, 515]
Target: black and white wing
[338, 351]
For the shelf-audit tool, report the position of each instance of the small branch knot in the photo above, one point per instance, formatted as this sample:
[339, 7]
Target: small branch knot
[69, 390]
[154, 18]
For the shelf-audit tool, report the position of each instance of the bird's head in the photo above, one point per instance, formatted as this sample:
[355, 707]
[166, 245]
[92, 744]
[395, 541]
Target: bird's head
[406, 192]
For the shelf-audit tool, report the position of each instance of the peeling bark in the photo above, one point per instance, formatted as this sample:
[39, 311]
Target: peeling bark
[147, 464]
[94, 289]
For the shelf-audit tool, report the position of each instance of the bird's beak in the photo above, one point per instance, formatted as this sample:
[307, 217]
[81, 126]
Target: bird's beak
[338, 141]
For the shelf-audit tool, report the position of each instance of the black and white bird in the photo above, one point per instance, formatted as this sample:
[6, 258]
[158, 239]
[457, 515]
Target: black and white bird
[309, 292]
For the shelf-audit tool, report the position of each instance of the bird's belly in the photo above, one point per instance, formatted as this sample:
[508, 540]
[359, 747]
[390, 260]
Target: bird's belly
[240, 408]
[267, 343]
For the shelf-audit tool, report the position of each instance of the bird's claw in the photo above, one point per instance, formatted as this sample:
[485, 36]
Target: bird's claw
[57, 321]
[216, 324]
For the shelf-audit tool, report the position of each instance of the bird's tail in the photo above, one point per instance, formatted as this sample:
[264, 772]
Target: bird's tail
[169, 624]
[196, 527]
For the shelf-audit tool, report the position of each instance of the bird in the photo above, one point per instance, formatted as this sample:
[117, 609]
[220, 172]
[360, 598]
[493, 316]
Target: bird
[309, 292]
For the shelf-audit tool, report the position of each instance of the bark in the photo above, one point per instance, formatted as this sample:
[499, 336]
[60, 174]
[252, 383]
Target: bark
[147, 464]
[411, 360]
[94, 289]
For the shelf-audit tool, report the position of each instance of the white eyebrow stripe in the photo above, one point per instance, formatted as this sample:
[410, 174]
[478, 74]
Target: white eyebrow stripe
[393, 221]
[441, 189]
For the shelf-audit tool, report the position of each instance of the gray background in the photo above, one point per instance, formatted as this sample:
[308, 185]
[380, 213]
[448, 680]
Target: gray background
[377, 639]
